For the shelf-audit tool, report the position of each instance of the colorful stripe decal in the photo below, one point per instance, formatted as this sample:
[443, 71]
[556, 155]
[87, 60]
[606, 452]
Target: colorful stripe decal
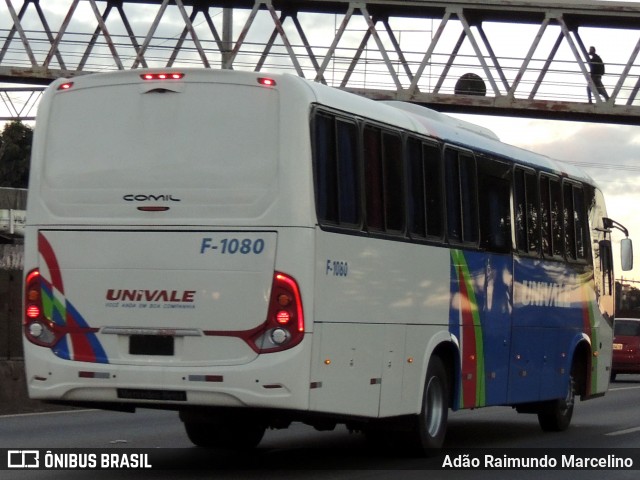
[473, 386]
[80, 342]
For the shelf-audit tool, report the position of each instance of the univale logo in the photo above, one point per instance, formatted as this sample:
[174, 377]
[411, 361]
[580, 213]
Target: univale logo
[179, 296]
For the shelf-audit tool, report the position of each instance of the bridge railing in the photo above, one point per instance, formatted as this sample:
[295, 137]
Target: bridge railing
[535, 55]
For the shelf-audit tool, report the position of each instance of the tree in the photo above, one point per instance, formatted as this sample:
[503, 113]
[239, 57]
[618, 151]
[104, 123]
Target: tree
[15, 153]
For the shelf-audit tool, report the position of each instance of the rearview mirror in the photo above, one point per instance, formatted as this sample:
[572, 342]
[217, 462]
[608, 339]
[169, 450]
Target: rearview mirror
[626, 254]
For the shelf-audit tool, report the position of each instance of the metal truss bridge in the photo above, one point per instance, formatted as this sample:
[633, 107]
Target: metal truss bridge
[503, 57]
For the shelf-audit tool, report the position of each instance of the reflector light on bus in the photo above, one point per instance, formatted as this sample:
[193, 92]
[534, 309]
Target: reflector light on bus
[65, 86]
[162, 76]
[88, 374]
[267, 82]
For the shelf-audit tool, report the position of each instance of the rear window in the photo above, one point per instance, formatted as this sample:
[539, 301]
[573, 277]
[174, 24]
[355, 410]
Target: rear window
[210, 136]
[626, 328]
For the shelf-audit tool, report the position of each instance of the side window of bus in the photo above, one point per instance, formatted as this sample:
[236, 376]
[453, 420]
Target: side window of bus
[606, 266]
[551, 216]
[556, 217]
[575, 226]
[527, 218]
[424, 173]
[374, 189]
[461, 195]
[494, 190]
[393, 181]
[383, 176]
[581, 223]
[336, 174]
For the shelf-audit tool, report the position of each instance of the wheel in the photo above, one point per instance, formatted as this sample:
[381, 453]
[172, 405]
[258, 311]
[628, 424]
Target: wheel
[613, 376]
[555, 415]
[432, 422]
[224, 435]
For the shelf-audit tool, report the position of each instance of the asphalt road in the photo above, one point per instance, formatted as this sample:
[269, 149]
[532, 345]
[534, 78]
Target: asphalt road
[302, 452]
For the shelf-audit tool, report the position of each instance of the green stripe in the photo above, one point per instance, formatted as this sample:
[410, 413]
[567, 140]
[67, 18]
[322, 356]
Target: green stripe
[459, 260]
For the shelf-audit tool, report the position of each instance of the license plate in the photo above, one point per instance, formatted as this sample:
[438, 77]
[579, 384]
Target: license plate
[151, 345]
[617, 346]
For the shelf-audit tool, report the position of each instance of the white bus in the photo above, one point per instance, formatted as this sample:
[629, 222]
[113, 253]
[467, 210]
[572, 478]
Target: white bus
[255, 250]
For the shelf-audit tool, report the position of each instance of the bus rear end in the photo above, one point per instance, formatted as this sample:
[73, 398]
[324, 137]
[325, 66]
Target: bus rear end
[157, 255]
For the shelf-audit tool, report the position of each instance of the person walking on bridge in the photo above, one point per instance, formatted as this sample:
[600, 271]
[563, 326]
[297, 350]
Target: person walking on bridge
[597, 71]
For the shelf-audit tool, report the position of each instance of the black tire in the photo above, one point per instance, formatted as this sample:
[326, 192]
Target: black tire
[555, 415]
[613, 376]
[227, 435]
[432, 421]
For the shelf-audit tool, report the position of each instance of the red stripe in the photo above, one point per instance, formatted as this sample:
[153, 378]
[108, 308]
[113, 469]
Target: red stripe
[469, 384]
[45, 249]
[82, 349]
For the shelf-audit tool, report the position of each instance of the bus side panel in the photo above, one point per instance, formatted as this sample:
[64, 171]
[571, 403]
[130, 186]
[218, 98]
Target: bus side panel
[367, 292]
[553, 307]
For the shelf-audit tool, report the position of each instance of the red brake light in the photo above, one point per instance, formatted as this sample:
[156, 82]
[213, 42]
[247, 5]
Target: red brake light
[267, 82]
[283, 317]
[33, 311]
[65, 86]
[162, 76]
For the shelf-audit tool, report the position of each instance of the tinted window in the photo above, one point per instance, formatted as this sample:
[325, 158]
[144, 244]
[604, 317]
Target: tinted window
[556, 218]
[424, 189]
[433, 189]
[374, 188]
[416, 208]
[335, 157]
[551, 216]
[326, 173]
[349, 192]
[494, 190]
[462, 199]
[393, 182]
[581, 224]
[527, 218]
[627, 328]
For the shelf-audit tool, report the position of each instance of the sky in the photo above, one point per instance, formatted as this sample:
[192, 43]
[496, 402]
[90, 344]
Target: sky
[609, 153]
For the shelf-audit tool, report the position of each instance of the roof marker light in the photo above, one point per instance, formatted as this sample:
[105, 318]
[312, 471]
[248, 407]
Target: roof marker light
[162, 76]
[65, 86]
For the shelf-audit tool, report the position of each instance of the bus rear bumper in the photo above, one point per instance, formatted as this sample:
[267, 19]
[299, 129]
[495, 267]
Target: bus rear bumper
[276, 380]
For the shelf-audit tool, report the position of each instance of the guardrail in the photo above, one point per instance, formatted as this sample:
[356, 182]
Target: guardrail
[12, 222]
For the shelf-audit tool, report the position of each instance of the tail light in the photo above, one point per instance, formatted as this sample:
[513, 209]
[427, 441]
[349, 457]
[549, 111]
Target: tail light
[37, 327]
[284, 326]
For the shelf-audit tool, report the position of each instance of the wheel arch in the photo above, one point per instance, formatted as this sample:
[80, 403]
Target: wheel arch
[581, 365]
[447, 349]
